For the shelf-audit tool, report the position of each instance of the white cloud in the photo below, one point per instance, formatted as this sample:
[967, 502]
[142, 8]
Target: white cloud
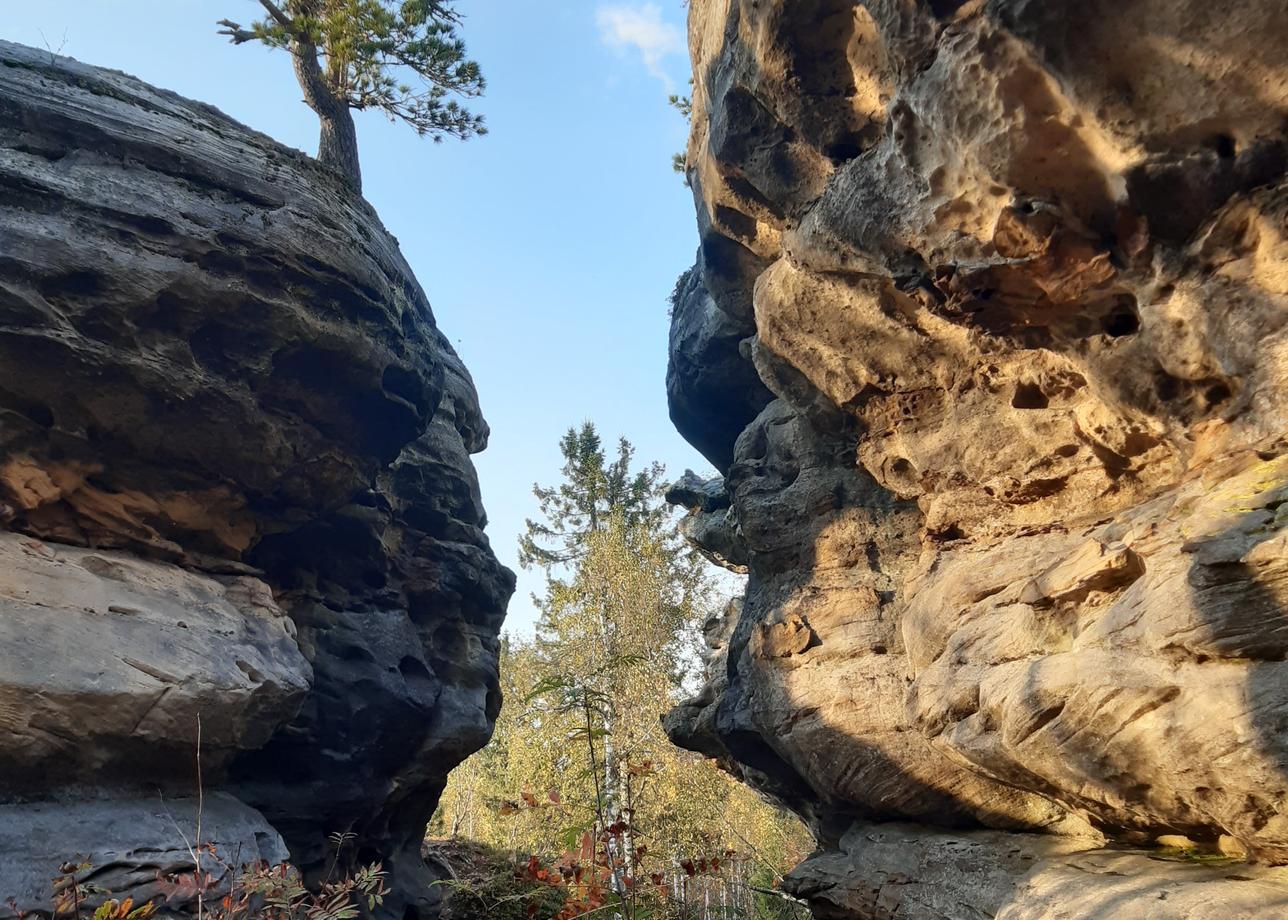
[641, 28]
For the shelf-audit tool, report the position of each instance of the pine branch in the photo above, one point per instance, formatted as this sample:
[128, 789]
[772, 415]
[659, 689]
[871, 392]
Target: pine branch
[278, 16]
[236, 34]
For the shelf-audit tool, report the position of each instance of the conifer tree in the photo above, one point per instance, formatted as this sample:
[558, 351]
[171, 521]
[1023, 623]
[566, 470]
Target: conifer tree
[593, 489]
[581, 727]
[354, 54]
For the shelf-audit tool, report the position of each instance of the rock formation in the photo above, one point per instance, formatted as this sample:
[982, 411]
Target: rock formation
[988, 338]
[239, 515]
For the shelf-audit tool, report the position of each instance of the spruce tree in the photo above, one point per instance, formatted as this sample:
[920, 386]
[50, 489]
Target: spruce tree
[580, 747]
[592, 491]
[354, 54]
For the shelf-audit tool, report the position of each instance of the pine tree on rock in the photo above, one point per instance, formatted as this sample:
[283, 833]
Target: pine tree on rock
[349, 54]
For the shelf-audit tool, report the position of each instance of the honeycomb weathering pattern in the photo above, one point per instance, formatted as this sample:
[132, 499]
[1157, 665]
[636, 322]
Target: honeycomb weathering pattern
[992, 299]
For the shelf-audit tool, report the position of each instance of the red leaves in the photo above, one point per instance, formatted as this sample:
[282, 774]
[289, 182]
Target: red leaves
[529, 801]
[186, 886]
[703, 865]
[586, 884]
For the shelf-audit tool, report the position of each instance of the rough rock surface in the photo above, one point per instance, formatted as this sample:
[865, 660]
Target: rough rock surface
[107, 662]
[1015, 275]
[220, 379]
[131, 842]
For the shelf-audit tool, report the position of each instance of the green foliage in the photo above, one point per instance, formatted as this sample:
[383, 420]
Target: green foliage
[580, 785]
[278, 893]
[124, 910]
[401, 57]
[683, 105]
[487, 886]
[593, 490]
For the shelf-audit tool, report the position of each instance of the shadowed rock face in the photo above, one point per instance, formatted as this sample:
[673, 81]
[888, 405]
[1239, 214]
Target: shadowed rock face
[235, 480]
[1015, 276]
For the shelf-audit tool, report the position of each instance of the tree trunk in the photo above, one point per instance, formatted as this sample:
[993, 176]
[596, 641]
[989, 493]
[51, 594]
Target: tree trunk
[338, 145]
[338, 142]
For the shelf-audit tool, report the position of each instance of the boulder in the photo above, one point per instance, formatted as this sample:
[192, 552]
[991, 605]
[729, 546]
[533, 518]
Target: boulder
[1014, 273]
[220, 378]
[124, 847]
[114, 668]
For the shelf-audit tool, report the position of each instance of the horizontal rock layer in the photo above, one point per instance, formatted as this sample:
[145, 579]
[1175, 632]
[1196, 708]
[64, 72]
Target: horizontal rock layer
[1010, 490]
[130, 843]
[110, 666]
[222, 382]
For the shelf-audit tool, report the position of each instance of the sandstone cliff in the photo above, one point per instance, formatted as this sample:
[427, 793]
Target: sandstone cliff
[235, 493]
[988, 334]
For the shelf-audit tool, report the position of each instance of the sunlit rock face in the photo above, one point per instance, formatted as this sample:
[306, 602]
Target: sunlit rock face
[235, 490]
[1014, 498]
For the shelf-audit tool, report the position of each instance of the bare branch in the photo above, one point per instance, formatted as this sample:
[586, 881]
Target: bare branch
[774, 892]
[278, 16]
[236, 34]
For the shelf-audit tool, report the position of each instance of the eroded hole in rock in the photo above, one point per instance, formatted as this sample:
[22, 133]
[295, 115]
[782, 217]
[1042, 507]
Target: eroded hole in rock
[1166, 387]
[1044, 718]
[843, 150]
[1037, 489]
[153, 226]
[168, 314]
[1029, 396]
[947, 534]
[404, 383]
[219, 262]
[1138, 442]
[407, 321]
[901, 474]
[1122, 320]
[739, 224]
[414, 670]
[1217, 394]
[212, 346]
[35, 412]
[944, 9]
[748, 192]
[75, 284]
[1224, 145]
[1114, 463]
[353, 652]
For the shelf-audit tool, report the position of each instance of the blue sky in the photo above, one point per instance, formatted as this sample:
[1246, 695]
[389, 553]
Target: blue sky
[547, 248]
